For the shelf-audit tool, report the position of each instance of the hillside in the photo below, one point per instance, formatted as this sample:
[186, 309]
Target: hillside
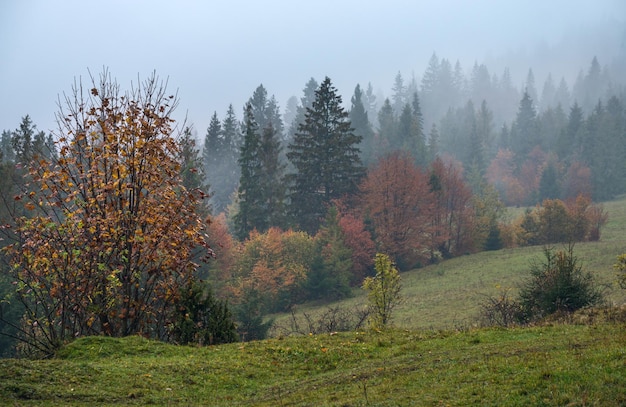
[448, 295]
[435, 356]
[552, 365]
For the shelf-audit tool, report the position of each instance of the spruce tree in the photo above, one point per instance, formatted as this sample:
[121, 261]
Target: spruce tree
[271, 183]
[192, 171]
[387, 129]
[524, 132]
[433, 143]
[362, 127]
[261, 189]
[399, 94]
[325, 159]
[417, 141]
[248, 194]
[306, 101]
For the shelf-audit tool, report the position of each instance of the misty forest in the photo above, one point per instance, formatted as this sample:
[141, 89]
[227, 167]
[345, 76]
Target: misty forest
[126, 222]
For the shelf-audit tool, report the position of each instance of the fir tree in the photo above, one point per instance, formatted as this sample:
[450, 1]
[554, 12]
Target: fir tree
[325, 158]
[399, 94]
[270, 183]
[387, 129]
[219, 156]
[524, 132]
[192, 171]
[248, 193]
[433, 143]
[362, 127]
[306, 101]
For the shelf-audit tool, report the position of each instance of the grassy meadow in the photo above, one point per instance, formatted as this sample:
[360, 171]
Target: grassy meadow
[435, 356]
[559, 365]
[449, 295]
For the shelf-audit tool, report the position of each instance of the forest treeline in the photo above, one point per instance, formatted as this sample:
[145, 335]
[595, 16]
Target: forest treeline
[107, 218]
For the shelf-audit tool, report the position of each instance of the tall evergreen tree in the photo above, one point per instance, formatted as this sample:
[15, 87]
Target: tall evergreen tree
[524, 132]
[417, 142]
[219, 155]
[549, 187]
[369, 101]
[433, 143]
[249, 194]
[569, 142]
[387, 129]
[548, 93]
[325, 158]
[306, 101]
[399, 94]
[271, 184]
[562, 95]
[192, 171]
[530, 87]
[212, 154]
[6, 147]
[362, 127]
[607, 146]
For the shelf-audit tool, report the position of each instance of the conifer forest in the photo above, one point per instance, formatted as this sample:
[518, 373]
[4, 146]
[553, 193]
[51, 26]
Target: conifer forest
[124, 219]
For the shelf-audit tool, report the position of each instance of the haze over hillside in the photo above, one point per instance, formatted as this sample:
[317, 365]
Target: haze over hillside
[218, 53]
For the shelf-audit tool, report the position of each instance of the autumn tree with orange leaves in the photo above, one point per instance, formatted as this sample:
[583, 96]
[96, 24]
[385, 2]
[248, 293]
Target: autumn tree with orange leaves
[397, 198]
[108, 247]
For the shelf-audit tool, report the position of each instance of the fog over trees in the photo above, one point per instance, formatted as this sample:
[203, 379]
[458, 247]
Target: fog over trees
[291, 202]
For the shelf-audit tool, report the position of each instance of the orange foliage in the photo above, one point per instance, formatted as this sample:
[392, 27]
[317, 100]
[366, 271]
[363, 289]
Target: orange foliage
[577, 181]
[274, 264]
[360, 242]
[454, 215]
[112, 241]
[396, 196]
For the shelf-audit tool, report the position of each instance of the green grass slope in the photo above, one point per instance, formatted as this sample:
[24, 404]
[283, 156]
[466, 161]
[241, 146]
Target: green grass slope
[449, 295]
[424, 362]
[558, 365]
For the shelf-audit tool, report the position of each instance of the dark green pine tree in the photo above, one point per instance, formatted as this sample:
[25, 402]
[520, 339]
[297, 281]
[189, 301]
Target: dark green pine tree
[266, 110]
[399, 94]
[270, 182]
[219, 155]
[433, 143]
[249, 194]
[212, 160]
[306, 101]
[6, 147]
[192, 171]
[387, 129]
[606, 141]
[362, 127]
[402, 136]
[325, 159]
[549, 187]
[369, 101]
[569, 141]
[416, 143]
[22, 141]
[331, 271]
[524, 134]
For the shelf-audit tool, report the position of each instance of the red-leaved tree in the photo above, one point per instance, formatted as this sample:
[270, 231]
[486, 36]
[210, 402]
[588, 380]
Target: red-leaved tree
[397, 198]
[454, 215]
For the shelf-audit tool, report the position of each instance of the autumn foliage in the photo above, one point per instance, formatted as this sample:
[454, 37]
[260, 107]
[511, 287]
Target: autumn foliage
[556, 221]
[397, 198]
[109, 243]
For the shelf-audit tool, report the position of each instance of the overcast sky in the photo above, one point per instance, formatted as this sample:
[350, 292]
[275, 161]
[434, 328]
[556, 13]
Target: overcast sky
[216, 52]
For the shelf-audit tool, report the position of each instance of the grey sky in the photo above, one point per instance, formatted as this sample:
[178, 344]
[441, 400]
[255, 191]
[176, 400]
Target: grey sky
[218, 52]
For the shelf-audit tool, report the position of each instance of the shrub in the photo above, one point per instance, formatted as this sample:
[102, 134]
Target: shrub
[201, 319]
[383, 291]
[502, 310]
[558, 284]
